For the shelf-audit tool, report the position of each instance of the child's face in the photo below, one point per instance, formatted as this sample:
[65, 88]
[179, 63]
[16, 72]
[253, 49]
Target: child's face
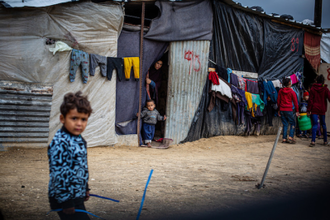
[306, 97]
[74, 121]
[151, 106]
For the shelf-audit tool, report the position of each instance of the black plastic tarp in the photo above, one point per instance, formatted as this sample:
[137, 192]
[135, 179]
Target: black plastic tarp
[127, 92]
[245, 42]
[283, 46]
[180, 21]
[238, 38]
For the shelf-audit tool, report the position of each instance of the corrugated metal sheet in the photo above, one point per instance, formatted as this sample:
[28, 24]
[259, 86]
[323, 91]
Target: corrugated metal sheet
[188, 64]
[24, 118]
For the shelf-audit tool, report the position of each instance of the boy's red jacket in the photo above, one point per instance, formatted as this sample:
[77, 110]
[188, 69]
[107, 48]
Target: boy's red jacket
[318, 98]
[285, 98]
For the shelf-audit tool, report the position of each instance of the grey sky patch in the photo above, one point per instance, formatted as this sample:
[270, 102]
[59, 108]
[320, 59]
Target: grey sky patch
[299, 10]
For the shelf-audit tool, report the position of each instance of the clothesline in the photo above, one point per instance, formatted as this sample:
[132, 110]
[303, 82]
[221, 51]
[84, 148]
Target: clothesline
[89, 62]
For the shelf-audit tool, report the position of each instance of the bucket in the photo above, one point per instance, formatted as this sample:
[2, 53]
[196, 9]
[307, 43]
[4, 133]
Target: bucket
[304, 122]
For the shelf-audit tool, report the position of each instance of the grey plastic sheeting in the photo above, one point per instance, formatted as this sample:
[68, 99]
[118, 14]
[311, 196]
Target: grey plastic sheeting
[26, 58]
[180, 21]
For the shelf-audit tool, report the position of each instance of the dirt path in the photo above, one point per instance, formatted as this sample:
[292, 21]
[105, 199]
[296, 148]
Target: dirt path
[218, 173]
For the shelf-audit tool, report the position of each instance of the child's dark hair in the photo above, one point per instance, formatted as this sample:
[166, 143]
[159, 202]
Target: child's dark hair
[320, 79]
[78, 101]
[150, 100]
[286, 81]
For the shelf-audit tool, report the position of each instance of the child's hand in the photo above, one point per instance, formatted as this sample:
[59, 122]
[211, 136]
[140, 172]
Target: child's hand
[87, 196]
[164, 117]
[137, 114]
[69, 211]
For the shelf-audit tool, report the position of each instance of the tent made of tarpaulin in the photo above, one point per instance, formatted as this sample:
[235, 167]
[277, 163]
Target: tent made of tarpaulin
[188, 54]
[25, 57]
[246, 42]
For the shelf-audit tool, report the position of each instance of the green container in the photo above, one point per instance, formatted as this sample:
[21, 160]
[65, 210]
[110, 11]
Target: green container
[304, 122]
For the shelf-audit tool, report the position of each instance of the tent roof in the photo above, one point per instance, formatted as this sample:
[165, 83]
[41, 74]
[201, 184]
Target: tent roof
[32, 3]
[275, 17]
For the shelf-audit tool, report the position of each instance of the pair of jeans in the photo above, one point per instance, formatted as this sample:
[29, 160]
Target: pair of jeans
[148, 132]
[314, 118]
[287, 118]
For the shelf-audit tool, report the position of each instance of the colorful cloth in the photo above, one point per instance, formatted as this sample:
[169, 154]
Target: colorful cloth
[241, 83]
[277, 83]
[300, 78]
[269, 91]
[223, 88]
[78, 58]
[248, 97]
[234, 79]
[229, 71]
[252, 86]
[312, 49]
[213, 76]
[257, 100]
[294, 79]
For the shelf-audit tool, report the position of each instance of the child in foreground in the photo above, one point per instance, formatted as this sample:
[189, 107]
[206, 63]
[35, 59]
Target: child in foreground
[67, 156]
[150, 116]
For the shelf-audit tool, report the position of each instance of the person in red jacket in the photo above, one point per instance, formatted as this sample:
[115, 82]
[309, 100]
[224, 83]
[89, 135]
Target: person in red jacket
[317, 106]
[284, 102]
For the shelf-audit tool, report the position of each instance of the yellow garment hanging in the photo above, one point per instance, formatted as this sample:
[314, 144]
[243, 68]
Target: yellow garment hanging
[248, 97]
[128, 63]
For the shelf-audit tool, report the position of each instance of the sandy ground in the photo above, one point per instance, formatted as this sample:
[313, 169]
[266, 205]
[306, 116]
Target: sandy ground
[218, 174]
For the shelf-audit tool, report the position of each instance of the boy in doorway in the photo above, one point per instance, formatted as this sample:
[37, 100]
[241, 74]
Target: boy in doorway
[149, 116]
[67, 156]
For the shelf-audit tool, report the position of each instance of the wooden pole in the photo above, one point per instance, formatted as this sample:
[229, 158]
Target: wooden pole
[141, 69]
[318, 13]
